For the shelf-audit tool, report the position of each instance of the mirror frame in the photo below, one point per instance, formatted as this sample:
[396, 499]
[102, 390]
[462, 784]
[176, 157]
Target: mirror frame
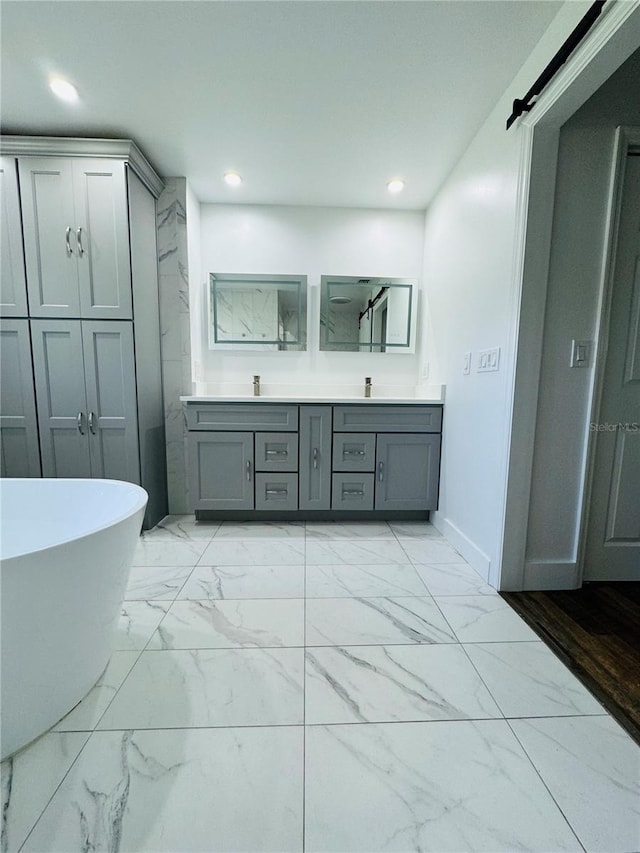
[271, 281]
[372, 283]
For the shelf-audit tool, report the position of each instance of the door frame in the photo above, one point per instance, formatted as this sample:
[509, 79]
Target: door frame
[614, 38]
[627, 140]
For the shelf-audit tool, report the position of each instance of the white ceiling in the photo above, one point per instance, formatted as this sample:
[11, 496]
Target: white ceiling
[314, 103]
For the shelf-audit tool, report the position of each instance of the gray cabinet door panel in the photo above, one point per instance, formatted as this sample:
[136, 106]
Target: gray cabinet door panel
[276, 451]
[13, 284]
[19, 448]
[277, 491]
[221, 470]
[354, 451]
[61, 398]
[111, 399]
[407, 471]
[46, 186]
[352, 491]
[315, 457]
[102, 244]
[372, 418]
[250, 416]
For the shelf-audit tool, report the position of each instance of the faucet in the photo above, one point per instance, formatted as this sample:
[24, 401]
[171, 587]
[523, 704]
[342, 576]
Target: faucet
[367, 386]
[256, 386]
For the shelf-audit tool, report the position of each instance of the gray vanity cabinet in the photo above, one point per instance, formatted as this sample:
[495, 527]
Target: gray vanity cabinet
[13, 285]
[75, 223]
[221, 470]
[313, 461]
[86, 394]
[407, 471]
[315, 457]
[19, 450]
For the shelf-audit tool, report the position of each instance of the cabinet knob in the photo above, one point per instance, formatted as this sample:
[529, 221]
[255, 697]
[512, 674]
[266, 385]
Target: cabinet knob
[315, 457]
[381, 471]
[248, 469]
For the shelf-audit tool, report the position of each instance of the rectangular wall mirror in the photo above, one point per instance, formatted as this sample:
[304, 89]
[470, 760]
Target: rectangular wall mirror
[258, 312]
[367, 314]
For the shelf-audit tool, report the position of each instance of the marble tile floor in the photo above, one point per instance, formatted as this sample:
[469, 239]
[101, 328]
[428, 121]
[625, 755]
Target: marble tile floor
[323, 687]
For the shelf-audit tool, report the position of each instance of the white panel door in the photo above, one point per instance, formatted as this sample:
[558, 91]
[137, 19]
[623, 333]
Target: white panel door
[46, 186]
[613, 534]
[13, 285]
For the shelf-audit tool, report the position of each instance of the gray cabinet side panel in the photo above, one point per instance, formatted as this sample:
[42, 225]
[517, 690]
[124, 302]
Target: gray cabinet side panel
[315, 457]
[46, 191]
[61, 398]
[19, 448]
[111, 399]
[410, 471]
[13, 283]
[221, 472]
[102, 244]
[146, 332]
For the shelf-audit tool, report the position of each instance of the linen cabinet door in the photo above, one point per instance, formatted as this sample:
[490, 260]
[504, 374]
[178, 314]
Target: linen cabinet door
[46, 187]
[112, 421]
[221, 470]
[13, 284]
[19, 449]
[102, 239]
[61, 398]
[407, 471]
[315, 457]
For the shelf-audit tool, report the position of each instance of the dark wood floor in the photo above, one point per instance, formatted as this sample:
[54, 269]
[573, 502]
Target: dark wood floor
[596, 632]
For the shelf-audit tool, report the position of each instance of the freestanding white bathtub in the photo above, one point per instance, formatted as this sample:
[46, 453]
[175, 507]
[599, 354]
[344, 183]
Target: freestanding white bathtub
[66, 548]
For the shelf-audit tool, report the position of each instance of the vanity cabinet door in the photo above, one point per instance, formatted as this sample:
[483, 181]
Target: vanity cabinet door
[221, 470]
[19, 449]
[407, 471]
[315, 457]
[13, 285]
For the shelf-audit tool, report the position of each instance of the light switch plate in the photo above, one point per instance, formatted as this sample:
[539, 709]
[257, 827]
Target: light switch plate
[580, 353]
[488, 360]
[466, 363]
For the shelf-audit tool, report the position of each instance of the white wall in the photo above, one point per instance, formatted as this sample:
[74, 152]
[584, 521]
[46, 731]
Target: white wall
[584, 166]
[472, 294]
[311, 241]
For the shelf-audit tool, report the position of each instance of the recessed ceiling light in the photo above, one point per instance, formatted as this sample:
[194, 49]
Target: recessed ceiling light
[396, 185]
[63, 89]
[233, 179]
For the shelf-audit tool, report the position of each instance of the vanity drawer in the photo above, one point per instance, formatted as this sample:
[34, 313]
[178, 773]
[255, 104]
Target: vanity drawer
[352, 491]
[276, 491]
[243, 416]
[276, 451]
[372, 418]
[355, 451]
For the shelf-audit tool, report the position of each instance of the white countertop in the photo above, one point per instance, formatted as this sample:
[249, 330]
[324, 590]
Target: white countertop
[208, 393]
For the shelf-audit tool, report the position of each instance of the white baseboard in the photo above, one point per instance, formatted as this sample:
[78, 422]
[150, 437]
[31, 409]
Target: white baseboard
[469, 550]
[549, 574]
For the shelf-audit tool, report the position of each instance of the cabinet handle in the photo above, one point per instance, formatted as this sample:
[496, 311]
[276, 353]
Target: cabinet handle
[381, 471]
[90, 419]
[353, 453]
[79, 419]
[353, 493]
[276, 492]
[248, 469]
[79, 242]
[67, 234]
[315, 457]
[277, 452]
